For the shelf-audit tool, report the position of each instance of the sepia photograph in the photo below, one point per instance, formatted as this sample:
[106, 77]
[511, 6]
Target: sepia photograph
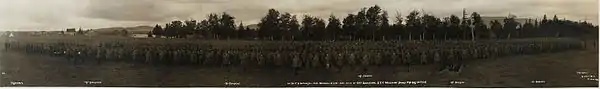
[299, 43]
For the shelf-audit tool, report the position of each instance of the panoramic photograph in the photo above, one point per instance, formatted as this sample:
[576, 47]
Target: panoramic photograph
[299, 43]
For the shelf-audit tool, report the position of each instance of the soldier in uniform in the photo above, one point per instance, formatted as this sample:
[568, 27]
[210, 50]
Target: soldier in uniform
[407, 60]
[148, 56]
[327, 60]
[253, 57]
[475, 53]
[339, 58]
[352, 59]
[244, 59]
[134, 55]
[277, 59]
[161, 56]
[108, 54]
[193, 59]
[306, 59]
[395, 58]
[207, 60]
[176, 56]
[267, 58]
[119, 53]
[314, 59]
[423, 57]
[436, 57]
[98, 55]
[365, 61]
[379, 58]
[296, 63]
[496, 52]
[226, 61]
[70, 54]
[260, 59]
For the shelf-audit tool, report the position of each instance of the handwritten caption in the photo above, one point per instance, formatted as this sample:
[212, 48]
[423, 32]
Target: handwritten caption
[360, 83]
[16, 83]
[92, 82]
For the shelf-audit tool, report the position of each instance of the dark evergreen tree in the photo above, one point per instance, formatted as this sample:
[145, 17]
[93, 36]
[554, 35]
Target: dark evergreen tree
[510, 27]
[268, 26]
[398, 30]
[496, 28]
[214, 26]
[480, 30]
[227, 25]
[334, 28]
[430, 27]
[295, 28]
[240, 32]
[150, 35]
[385, 29]
[286, 26]
[157, 31]
[454, 27]
[362, 24]
[350, 28]
[413, 24]
[189, 27]
[308, 28]
[465, 27]
[373, 22]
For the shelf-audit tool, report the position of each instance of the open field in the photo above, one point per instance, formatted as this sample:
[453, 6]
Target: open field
[556, 69]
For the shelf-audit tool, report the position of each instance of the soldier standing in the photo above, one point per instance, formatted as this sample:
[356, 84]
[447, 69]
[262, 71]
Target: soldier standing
[314, 59]
[108, 54]
[365, 61]
[327, 60]
[226, 61]
[260, 59]
[148, 56]
[351, 59]
[436, 57]
[407, 58]
[98, 55]
[277, 59]
[296, 63]
[193, 57]
[306, 59]
[244, 59]
[339, 58]
[423, 57]
[395, 58]
[134, 55]
[161, 56]
[119, 53]
[378, 58]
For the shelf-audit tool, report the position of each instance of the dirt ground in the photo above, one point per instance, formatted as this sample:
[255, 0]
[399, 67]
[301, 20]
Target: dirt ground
[564, 69]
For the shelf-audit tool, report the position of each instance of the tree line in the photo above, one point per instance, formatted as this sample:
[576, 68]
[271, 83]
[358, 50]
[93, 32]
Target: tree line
[372, 24]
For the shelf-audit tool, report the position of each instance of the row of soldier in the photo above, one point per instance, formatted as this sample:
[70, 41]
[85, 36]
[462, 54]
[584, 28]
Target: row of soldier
[292, 54]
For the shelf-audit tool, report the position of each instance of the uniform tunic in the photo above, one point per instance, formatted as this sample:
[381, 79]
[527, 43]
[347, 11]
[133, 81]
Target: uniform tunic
[423, 58]
[148, 56]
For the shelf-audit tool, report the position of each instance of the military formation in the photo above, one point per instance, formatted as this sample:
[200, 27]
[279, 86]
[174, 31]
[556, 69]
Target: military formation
[292, 54]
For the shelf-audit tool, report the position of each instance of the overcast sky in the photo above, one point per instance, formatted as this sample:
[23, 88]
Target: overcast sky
[60, 14]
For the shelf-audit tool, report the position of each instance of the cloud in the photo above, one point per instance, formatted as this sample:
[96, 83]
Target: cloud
[106, 13]
[132, 10]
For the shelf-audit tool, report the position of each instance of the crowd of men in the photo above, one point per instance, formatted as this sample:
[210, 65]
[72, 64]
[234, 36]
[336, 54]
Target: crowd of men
[293, 54]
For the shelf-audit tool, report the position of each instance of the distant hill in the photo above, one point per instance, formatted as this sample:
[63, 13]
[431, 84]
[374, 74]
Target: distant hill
[252, 26]
[143, 29]
[134, 30]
